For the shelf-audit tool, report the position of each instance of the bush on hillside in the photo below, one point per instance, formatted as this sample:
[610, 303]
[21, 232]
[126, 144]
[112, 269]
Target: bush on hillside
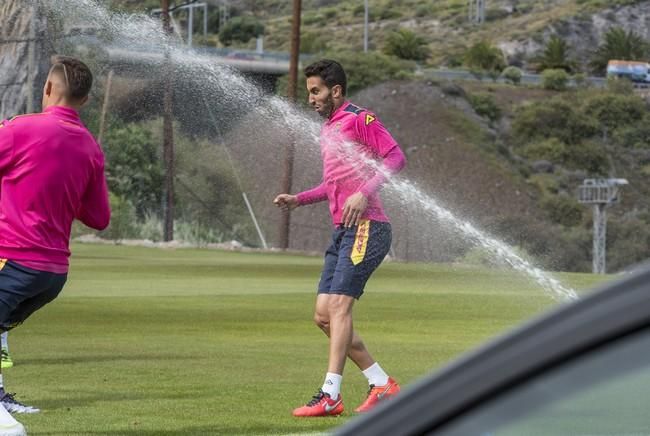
[484, 58]
[628, 243]
[555, 118]
[635, 136]
[613, 111]
[512, 75]
[588, 155]
[550, 149]
[563, 210]
[485, 105]
[619, 85]
[241, 29]
[366, 69]
[555, 79]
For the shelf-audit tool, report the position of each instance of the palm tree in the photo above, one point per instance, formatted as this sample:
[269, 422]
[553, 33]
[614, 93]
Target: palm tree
[555, 55]
[406, 45]
[619, 45]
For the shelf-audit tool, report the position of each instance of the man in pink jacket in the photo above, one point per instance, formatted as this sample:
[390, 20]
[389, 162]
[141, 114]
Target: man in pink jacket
[358, 155]
[51, 172]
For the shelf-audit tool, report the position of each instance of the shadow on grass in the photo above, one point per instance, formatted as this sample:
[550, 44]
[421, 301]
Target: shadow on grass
[85, 358]
[194, 430]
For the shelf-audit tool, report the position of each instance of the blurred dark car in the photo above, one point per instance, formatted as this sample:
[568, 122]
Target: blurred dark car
[583, 369]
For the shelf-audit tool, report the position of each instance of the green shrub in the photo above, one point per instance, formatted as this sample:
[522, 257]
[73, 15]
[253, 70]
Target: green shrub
[613, 111]
[555, 79]
[483, 58]
[134, 170]
[620, 86]
[485, 105]
[123, 223]
[581, 80]
[555, 118]
[366, 69]
[588, 155]
[635, 136]
[512, 75]
[550, 149]
[562, 209]
[241, 29]
[628, 242]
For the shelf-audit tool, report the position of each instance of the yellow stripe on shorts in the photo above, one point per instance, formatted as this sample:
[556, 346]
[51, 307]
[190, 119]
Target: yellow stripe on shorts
[2, 263]
[360, 242]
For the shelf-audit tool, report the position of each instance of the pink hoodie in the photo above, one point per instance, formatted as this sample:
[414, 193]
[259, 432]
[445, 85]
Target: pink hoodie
[350, 140]
[51, 172]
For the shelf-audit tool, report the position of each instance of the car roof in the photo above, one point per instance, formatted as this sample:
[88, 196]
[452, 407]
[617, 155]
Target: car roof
[614, 310]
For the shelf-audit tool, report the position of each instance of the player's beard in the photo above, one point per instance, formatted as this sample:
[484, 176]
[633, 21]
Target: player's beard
[328, 108]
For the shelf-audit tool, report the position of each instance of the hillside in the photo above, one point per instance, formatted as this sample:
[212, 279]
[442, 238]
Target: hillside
[518, 27]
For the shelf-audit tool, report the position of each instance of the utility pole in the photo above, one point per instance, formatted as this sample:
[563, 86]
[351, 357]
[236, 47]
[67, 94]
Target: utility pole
[168, 133]
[365, 27]
[292, 93]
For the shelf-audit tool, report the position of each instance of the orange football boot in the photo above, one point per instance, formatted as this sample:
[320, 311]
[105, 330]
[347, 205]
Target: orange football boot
[320, 405]
[377, 394]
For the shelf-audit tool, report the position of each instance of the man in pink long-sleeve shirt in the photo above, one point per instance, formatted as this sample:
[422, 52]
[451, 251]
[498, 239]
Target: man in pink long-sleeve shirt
[51, 172]
[358, 156]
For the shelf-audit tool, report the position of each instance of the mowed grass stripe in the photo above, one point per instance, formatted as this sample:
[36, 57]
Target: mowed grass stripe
[180, 344]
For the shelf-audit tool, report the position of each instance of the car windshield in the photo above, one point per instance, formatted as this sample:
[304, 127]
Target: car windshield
[603, 392]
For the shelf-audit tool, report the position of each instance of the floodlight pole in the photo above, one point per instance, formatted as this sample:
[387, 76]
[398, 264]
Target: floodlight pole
[600, 238]
[168, 134]
[292, 93]
[600, 193]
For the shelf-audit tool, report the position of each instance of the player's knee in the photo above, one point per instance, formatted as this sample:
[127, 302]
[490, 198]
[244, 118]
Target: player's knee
[322, 321]
[339, 307]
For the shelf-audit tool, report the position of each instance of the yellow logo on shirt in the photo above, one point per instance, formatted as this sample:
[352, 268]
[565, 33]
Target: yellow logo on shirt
[370, 119]
[2, 261]
[360, 242]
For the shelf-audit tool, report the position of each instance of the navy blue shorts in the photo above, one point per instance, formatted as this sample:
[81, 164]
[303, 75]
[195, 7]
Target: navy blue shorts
[352, 257]
[23, 291]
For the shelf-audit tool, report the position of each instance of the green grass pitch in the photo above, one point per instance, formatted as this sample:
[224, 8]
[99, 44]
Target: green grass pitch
[162, 342]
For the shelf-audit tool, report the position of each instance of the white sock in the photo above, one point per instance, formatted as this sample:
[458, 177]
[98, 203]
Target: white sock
[3, 341]
[2, 386]
[375, 375]
[332, 385]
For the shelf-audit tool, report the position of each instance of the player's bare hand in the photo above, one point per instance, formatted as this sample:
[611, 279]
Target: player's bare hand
[354, 207]
[286, 202]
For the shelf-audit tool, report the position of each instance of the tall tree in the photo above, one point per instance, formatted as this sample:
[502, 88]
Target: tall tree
[556, 55]
[620, 45]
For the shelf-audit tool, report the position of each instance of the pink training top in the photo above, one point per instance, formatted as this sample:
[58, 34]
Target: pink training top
[354, 144]
[51, 172]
